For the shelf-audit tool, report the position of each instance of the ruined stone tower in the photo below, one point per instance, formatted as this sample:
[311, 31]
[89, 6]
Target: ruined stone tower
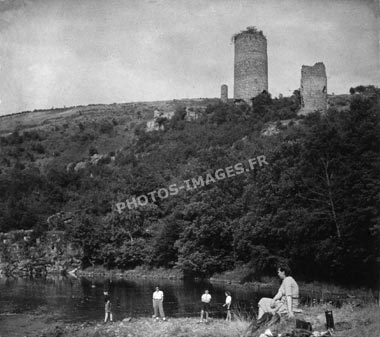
[251, 64]
[313, 88]
[224, 93]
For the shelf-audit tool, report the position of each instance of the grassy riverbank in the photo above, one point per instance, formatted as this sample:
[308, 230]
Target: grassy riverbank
[349, 321]
[321, 291]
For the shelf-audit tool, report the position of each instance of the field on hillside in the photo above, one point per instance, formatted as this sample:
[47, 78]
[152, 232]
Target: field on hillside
[58, 137]
[39, 118]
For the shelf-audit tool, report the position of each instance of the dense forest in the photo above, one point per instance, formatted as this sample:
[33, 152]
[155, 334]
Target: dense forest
[315, 205]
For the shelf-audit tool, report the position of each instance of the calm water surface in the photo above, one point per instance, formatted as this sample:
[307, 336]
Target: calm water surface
[82, 299]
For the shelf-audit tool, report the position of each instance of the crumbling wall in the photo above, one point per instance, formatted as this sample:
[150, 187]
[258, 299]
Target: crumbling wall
[224, 93]
[313, 88]
[251, 64]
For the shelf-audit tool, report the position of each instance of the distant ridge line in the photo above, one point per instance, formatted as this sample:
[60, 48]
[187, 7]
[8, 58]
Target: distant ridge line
[106, 104]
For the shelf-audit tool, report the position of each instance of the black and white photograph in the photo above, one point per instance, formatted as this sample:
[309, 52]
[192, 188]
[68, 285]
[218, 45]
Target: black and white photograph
[189, 168]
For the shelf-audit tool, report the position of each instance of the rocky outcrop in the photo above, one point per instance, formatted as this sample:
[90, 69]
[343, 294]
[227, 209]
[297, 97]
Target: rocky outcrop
[22, 252]
[192, 114]
[80, 166]
[155, 124]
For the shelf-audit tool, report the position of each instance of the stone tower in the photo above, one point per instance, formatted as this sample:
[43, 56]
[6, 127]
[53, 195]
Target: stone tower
[313, 88]
[224, 93]
[251, 64]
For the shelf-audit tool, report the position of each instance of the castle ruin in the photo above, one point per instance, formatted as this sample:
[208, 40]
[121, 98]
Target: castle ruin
[313, 88]
[224, 93]
[251, 64]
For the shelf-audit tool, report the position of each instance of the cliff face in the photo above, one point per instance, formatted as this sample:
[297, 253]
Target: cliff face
[21, 252]
[313, 88]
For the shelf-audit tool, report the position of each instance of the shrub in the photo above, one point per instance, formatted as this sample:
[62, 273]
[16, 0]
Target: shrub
[38, 147]
[92, 150]
[106, 126]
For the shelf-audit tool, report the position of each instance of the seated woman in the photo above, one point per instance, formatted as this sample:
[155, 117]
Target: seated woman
[286, 299]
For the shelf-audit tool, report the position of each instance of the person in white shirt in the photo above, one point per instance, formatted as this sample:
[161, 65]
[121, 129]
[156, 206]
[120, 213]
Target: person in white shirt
[228, 305]
[205, 299]
[286, 299]
[158, 299]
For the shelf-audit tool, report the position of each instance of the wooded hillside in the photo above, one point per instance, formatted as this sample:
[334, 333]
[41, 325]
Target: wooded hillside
[315, 205]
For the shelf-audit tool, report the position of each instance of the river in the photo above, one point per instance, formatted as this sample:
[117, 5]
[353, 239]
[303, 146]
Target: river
[81, 299]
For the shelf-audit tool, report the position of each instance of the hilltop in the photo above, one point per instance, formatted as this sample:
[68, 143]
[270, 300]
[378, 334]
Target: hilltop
[29, 120]
[72, 133]
[26, 120]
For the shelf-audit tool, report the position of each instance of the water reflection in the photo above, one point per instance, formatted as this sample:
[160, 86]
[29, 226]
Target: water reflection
[82, 299]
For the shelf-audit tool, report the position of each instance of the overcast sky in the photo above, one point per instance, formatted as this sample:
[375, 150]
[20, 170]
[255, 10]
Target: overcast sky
[71, 52]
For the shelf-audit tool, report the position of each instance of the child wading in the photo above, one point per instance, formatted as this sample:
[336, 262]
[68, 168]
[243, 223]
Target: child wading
[108, 310]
